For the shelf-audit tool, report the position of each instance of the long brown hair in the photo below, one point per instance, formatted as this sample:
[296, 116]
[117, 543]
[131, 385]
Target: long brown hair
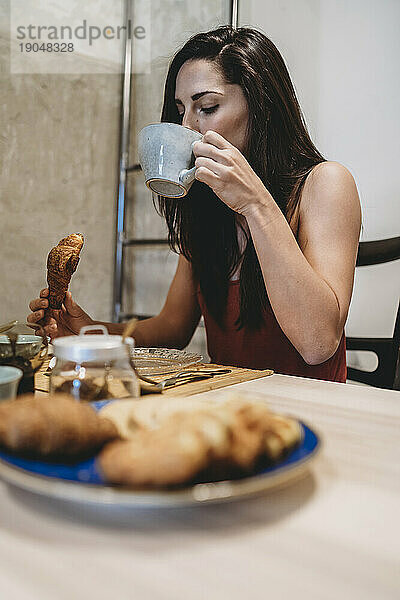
[279, 150]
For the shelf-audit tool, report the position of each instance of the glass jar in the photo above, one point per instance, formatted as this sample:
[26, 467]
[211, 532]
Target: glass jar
[94, 367]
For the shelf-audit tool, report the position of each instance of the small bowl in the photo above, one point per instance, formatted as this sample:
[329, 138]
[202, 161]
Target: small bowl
[26, 346]
[9, 380]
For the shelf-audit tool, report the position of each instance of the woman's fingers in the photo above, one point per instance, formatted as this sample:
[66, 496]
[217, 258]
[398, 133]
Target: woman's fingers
[53, 322]
[72, 307]
[50, 330]
[217, 140]
[35, 316]
[38, 315]
[210, 151]
[41, 319]
[208, 177]
[210, 164]
[38, 303]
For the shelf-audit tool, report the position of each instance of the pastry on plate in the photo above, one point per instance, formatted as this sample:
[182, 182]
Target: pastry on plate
[183, 440]
[62, 262]
[130, 415]
[155, 458]
[53, 426]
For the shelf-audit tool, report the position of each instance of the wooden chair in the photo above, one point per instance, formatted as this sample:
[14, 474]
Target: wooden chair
[387, 373]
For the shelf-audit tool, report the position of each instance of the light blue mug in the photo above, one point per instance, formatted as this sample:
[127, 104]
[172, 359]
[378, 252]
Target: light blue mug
[166, 157]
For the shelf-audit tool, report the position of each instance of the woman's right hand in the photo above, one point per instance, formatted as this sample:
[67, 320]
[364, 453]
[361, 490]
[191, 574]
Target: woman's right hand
[68, 320]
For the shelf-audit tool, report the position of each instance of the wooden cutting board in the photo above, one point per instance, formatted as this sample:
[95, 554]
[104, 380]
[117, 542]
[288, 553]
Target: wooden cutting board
[237, 375]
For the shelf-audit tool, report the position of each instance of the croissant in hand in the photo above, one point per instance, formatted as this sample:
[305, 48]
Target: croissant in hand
[61, 264]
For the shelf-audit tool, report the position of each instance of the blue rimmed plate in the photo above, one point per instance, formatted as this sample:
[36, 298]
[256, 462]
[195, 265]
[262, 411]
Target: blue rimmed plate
[83, 481]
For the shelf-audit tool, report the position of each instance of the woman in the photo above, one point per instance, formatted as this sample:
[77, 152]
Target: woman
[268, 233]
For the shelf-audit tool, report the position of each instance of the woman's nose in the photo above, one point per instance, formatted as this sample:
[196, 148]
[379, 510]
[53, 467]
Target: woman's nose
[190, 122]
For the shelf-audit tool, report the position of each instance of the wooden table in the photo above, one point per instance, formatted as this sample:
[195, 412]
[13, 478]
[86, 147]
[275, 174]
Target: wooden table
[333, 535]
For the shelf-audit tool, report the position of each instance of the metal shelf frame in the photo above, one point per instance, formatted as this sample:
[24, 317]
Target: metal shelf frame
[124, 168]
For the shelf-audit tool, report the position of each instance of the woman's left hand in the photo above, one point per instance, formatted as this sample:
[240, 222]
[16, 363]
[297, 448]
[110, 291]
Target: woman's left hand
[225, 170]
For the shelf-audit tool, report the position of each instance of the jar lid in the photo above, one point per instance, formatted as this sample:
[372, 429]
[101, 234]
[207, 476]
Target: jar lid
[85, 348]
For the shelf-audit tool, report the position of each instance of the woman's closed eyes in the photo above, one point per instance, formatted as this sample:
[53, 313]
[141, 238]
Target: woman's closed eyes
[210, 109]
[206, 110]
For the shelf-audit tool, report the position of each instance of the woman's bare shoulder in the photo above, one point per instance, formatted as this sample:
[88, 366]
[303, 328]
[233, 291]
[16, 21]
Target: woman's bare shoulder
[329, 178]
[330, 188]
[329, 202]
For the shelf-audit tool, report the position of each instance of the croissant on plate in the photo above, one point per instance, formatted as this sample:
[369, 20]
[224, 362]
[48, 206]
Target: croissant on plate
[187, 440]
[53, 426]
[61, 264]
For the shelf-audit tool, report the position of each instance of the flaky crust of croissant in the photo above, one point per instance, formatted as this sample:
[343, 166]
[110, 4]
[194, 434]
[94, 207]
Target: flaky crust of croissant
[217, 441]
[53, 426]
[61, 264]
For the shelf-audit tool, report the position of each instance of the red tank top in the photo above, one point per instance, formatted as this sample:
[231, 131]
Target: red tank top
[265, 348]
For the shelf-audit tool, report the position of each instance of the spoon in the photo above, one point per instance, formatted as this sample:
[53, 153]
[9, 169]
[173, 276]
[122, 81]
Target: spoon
[129, 328]
[7, 326]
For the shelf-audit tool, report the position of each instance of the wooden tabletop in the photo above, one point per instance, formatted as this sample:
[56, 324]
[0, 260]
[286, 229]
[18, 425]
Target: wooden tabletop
[333, 535]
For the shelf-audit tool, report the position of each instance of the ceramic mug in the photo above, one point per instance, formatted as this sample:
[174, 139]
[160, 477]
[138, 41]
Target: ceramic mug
[9, 380]
[166, 157]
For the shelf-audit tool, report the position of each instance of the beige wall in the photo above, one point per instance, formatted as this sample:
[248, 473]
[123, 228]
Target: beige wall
[58, 156]
[343, 58]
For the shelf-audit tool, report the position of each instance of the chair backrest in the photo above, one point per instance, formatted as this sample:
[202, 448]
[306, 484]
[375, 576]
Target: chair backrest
[378, 251]
[387, 374]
